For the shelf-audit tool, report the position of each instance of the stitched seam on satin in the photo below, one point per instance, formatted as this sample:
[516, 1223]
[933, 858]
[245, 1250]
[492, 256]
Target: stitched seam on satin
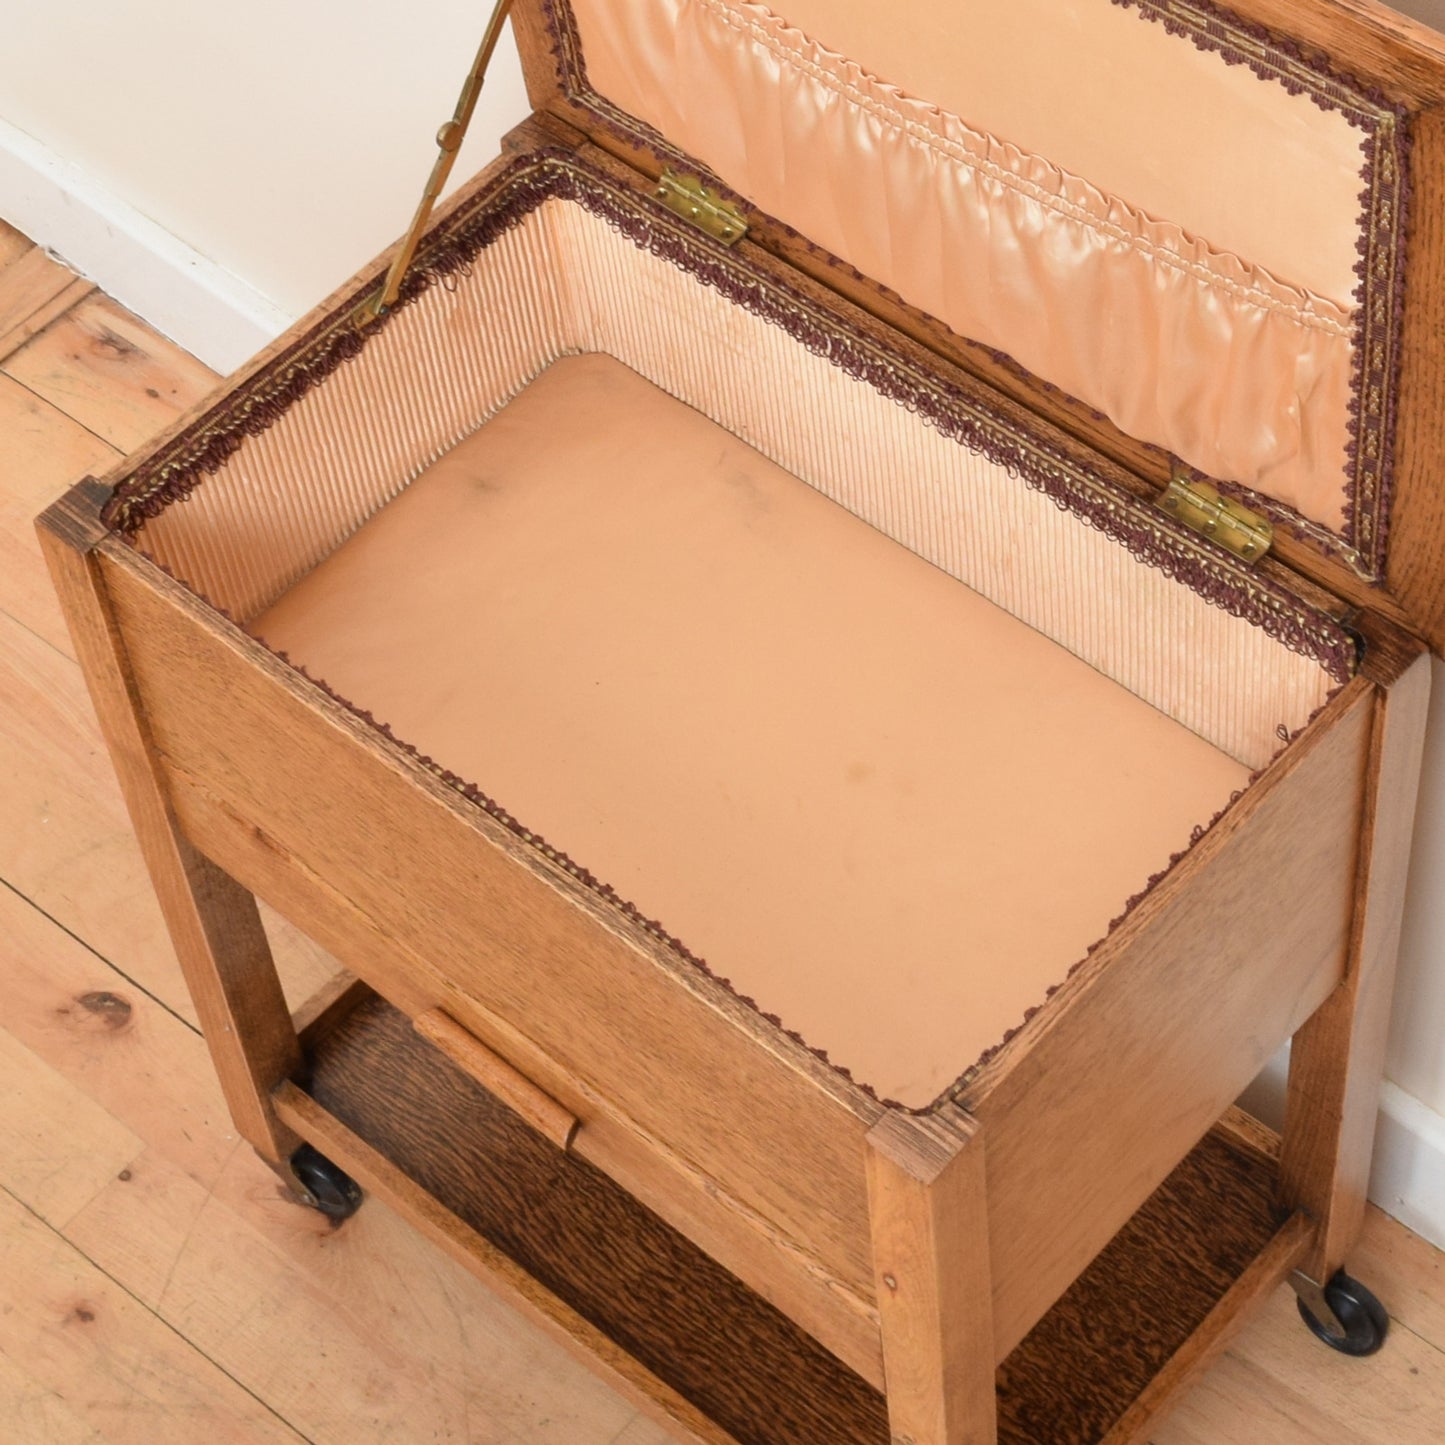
[806, 55]
[1384, 201]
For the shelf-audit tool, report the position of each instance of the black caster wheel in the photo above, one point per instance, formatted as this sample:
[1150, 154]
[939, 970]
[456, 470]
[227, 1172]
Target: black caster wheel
[320, 1185]
[1363, 1316]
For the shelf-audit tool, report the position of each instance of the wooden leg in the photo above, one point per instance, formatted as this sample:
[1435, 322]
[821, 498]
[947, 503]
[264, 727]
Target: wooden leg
[1338, 1057]
[929, 1220]
[213, 921]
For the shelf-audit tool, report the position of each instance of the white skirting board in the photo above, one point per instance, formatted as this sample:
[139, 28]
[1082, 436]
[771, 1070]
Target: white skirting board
[1407, 1179]
[201, 306]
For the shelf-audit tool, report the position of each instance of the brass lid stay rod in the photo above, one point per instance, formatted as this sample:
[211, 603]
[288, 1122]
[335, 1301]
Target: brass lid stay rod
[449, 142]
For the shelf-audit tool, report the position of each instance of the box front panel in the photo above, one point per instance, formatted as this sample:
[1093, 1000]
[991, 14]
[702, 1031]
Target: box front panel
[373, 830]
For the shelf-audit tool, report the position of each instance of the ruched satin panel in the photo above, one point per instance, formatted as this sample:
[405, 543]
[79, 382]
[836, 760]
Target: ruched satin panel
[1241, 374]
[564, 282]
[1262, 170]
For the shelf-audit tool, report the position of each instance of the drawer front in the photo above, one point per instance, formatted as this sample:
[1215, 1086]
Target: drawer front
[434, 902]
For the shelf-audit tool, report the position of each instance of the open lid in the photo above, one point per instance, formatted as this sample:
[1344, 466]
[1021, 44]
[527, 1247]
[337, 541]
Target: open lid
[1194, 225]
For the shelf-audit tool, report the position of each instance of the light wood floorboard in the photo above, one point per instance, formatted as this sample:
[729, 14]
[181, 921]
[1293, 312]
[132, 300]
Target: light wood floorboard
[158, 1285]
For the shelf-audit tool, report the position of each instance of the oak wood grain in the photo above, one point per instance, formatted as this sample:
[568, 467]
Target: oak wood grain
[1375, 42]
[498, 1077]
[421, 1207]
[592, 1245]
[1089, 1107]
[1416, 571]
[1261, 1277]
[783, 1271]
[214, 925]
[1338, 1058]
[152, 1075]
[928, 1208]
[739, 1099]
[1280, 1386]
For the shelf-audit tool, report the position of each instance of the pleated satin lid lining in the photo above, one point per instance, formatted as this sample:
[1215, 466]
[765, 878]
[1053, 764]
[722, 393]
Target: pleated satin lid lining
[1250, 329]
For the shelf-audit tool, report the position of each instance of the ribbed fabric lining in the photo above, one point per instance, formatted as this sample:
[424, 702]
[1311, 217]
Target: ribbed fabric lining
[564, 281]
[440, 369]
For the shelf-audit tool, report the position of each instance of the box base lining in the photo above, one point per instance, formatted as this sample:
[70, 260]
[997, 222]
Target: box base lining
[840, 776]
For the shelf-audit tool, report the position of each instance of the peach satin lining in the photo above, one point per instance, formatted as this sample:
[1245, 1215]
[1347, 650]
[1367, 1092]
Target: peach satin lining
[1142, 113]
[882, 807]
[1243, 375]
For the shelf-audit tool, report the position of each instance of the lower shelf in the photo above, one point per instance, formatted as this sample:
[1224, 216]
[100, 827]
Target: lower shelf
[708, 1340]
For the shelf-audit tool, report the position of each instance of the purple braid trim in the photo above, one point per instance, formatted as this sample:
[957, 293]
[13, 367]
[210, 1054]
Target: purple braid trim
[172, 473]
[1197, 836]
[656, 930]
[1042, 458]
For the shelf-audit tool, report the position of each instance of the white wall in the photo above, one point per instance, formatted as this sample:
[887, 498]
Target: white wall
[221, 168]
[284, 143]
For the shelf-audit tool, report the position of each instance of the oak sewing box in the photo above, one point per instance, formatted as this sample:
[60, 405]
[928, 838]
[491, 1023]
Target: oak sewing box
[841, 653]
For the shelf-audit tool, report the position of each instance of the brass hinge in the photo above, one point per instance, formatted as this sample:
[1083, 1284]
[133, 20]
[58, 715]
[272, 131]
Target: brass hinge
[690, 199]
[1237, 529]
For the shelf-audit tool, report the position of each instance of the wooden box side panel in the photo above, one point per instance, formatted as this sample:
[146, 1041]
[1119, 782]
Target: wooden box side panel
[684, 1060]
[1172, 1017]
[1417, 539]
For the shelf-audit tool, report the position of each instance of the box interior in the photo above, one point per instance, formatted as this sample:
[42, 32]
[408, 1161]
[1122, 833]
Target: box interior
[828, 668]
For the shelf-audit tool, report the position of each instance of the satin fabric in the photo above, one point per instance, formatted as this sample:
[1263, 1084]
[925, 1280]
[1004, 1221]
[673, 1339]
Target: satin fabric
[1183, 345]
[1143, 113]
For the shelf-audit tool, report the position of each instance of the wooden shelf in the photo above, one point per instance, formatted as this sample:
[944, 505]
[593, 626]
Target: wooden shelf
[678, 1332]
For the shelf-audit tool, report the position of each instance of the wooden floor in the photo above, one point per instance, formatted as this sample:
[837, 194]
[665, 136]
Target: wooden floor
[155, 1283]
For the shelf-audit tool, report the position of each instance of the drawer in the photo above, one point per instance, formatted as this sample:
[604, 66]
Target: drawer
[677, 1068]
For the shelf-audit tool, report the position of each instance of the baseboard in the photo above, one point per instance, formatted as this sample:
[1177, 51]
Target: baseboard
[1408, 1177]
[200, 305]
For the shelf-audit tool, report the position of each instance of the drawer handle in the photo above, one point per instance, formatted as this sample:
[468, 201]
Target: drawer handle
[498, 1077]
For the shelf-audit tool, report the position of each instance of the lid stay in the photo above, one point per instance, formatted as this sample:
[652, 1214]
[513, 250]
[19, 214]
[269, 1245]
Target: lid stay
[449, 142]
